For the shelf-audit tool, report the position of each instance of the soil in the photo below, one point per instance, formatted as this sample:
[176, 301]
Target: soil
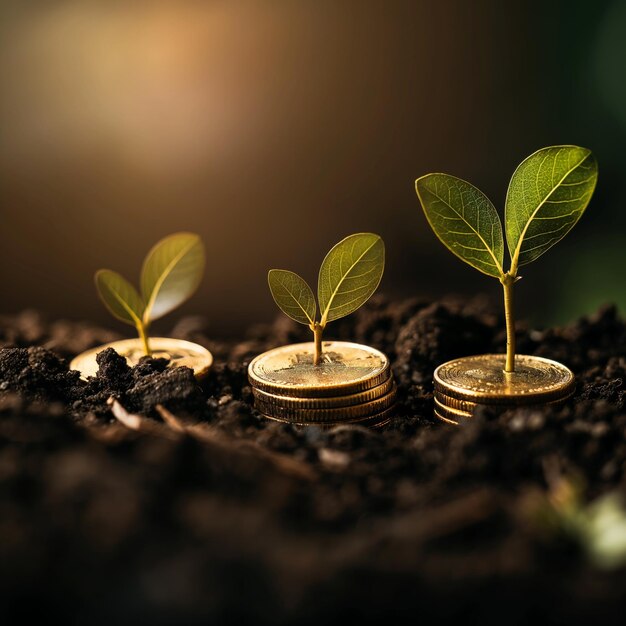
[190, 508]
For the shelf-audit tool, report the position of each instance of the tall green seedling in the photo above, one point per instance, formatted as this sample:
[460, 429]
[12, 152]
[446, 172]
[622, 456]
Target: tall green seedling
[547, 195]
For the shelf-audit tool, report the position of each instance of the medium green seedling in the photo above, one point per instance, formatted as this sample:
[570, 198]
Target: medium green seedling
[547, 195]
[348, 276]
[170, 274]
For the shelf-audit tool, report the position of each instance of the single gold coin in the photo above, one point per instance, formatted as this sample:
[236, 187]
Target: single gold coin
[328, 402]
[482, 379]
[178, 351]
[346, 368]
[338, 414]
[373, 421]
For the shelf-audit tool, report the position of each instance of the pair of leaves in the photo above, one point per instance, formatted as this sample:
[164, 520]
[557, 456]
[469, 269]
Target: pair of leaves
[547, 195]
[171, 272]
[348, 276]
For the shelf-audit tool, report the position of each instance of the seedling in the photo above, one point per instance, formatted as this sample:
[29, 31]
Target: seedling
[171, 273]
[598, 528]
[348, 276]
[547, 195]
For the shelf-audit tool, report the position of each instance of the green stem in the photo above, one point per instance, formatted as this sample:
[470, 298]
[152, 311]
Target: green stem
[318, 329]
[143, 335]
[507, 283]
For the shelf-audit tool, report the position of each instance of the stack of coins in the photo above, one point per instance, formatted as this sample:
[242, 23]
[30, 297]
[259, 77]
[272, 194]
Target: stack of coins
[465, 384]
[352, 384]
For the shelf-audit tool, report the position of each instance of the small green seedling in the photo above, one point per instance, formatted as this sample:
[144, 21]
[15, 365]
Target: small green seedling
[598, 528]
[547, 195]
[170, 274]
[349, 275]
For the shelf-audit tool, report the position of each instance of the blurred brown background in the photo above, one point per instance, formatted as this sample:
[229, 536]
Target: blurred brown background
[274, 128]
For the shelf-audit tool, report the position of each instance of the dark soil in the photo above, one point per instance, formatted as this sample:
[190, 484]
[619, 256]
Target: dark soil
[219, 516]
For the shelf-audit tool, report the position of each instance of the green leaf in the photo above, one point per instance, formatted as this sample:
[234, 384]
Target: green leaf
[119, 296]
[349, 275]
[293, 295]
[464, 220]
[171, 273]
[547, 195]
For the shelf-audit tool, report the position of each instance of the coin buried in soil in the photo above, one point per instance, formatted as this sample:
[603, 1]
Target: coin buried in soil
[455, 411]
[482, 379]
[371, 421]
[449, 414]
[337, 414]
[468, 408]
[346, 368]
[178, 351]
[353, 399]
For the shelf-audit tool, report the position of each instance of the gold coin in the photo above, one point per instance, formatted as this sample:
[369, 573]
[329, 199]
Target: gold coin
[468, 407]
[372, 421]
[443, 418]
[338, 414]
[482, 379]
[325, 403]
[346, 368]
[455, 403]
[178, 351]
[450, 414]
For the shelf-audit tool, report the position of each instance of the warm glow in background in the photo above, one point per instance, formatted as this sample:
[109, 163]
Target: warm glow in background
[274, 128]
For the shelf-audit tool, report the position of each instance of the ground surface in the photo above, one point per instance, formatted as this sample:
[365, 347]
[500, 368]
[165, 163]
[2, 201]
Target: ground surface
[238, 519]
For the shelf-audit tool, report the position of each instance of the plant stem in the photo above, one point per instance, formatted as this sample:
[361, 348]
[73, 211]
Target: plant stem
[318, 329]
[507, 283]
[143, 335]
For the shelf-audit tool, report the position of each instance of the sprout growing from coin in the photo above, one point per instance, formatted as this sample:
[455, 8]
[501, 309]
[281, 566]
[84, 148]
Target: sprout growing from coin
[170, 274]
[348, 276]
[348, 383]
[547, 195]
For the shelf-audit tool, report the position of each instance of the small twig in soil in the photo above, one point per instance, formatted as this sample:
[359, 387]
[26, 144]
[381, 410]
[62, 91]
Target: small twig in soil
[138, 423]
[170, 419]
[450, 518]
[174, 428]
[212, 437]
